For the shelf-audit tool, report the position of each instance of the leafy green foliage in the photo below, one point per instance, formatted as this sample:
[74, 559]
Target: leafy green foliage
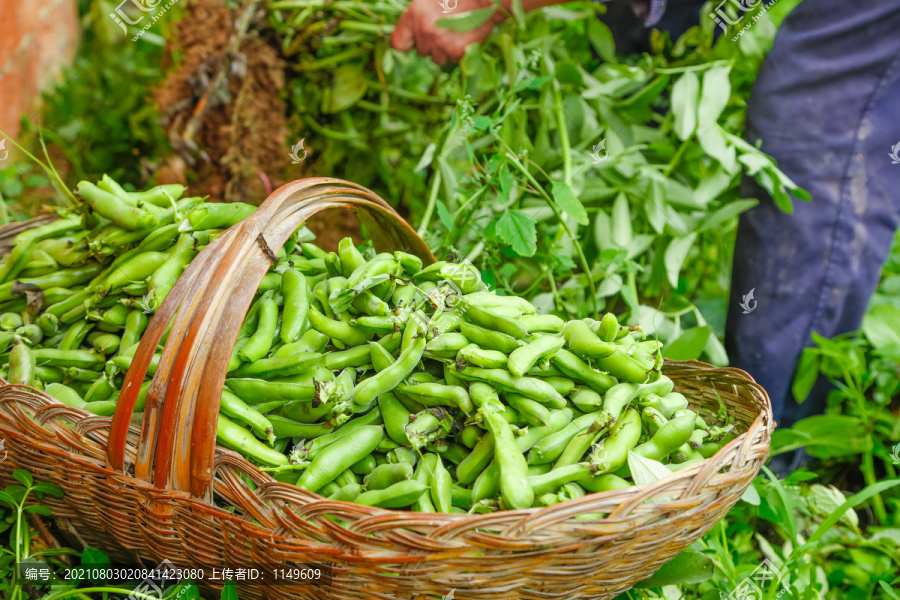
[586, 181]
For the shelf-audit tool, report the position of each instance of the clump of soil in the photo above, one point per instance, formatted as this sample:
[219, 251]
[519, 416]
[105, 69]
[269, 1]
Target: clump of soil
[224, 115]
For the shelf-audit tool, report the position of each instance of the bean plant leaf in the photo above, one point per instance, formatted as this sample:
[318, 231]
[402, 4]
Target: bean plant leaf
[654, 207]
[518, 12]
[685, 95]
[728, 212]
[568, 202]
[646, 471]
[852, 502]
[675, 254]
[751, 495]
[568, 72]
[881, 325]
[39, 509]
[689, 344]
[602, 231]
[467, 21]
[601, 38]
[347, 88]
[807, 373]
[621, 222]
[687, 567]
[188, 591]
[99, 562]
[506, 182]
[444, 214]
[714, 97]
[229, 591]
[427, 157]
[23, 477]
[49, 488]
[517, 230]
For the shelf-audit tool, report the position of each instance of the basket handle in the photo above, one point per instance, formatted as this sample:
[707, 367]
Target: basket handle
[206, 308]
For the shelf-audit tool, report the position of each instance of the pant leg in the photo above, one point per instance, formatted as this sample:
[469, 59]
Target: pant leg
[826, 106]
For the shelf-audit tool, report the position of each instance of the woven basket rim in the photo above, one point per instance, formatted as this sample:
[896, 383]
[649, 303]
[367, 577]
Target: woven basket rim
[233, 458]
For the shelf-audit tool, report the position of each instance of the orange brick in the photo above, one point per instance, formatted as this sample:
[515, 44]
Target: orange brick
[36, 40]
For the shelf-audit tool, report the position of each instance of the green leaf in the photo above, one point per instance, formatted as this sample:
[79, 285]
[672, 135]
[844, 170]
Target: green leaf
[687, 567]
[751, 495]
[675, 254]
[518, 13]
[97, 559]
[881, 325]
[467, 21]
[689, 345]
[723, 215]
[713, 143]
[685, 96]
[852, 502]
[348, 85]
[621, 222]
[49, 488]
[7, 499]
[807, 373]
[602, 231]
[39, 509]
[714, 97]
[444, 214]
[427, 157]
[229, 591]
[646, 471]
[482, 123]
[23, 477]
[834, 435]
[448, 178]
[569, 73]
[517, 230]
[506, 182]
[601, 38]
[887, 590]
[654, 205]
[568, 202]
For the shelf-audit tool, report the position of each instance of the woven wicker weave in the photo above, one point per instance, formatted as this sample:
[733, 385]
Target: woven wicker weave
[143, 492]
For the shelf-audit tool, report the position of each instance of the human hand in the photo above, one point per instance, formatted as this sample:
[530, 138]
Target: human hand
[417, 28]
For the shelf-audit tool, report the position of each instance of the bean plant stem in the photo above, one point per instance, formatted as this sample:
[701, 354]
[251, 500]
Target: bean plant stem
[578, 249]
[868, 469]
[432, 200]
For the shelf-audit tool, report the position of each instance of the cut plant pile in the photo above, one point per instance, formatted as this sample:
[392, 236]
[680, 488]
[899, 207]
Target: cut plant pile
[364, 377]
[222, 103]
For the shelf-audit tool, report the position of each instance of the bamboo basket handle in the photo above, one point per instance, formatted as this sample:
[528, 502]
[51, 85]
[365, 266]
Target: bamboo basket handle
[206, 309]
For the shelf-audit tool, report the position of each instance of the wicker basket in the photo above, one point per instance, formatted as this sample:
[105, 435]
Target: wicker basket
[144, 493]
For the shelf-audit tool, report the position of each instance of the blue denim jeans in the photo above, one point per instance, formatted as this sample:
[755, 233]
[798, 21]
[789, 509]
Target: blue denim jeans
[826, 106]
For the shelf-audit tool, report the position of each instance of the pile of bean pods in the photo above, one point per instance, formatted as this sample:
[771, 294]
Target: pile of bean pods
[363, 377]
